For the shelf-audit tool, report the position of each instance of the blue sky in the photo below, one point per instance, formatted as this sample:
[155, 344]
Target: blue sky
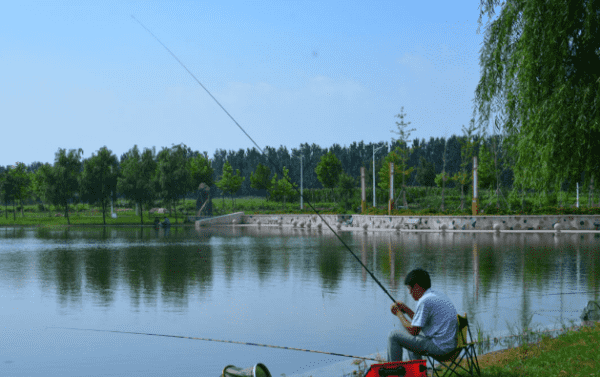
[85, 74]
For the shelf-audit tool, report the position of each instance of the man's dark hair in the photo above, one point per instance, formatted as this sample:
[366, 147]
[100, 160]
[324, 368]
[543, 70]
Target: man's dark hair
[420, 276]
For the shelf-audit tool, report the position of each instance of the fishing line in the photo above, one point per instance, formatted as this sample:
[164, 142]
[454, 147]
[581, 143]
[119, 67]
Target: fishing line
[273, 164]
[217, 340]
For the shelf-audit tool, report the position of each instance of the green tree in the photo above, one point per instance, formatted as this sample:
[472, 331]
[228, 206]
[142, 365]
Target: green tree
[282, 188]
[136, 181]
[230, 183]
[485, 169]
[260, 178]
[426, 173]
[173, 178]
[41, 182]
[64, 182]
[347, 185]
[202, 178]
[22, 184]
[469, 143]
[8, 189]
[404, 151]
[200, 172]
[400, 169]
[440, 179]
[328, 171]
[98, 181]
[540, 85]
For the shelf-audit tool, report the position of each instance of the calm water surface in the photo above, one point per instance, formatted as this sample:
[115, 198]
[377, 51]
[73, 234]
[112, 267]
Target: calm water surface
[294, 288]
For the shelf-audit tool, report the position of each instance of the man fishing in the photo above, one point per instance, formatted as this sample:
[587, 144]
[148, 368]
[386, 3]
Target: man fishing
[434, 324]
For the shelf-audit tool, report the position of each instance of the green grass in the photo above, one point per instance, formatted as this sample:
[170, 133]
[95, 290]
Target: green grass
[82, 215]
[574, 353]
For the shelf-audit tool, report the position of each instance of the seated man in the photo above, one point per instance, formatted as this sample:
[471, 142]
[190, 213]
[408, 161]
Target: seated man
[433, 327]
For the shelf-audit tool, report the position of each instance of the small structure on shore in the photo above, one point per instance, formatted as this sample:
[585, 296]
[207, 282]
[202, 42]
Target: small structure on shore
[203, 202]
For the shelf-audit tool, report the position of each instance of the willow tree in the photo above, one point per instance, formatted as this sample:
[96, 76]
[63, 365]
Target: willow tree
[541, 72]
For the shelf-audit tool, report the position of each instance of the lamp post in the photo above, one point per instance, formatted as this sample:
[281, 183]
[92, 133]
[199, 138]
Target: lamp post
[301, 184]
[374, 150]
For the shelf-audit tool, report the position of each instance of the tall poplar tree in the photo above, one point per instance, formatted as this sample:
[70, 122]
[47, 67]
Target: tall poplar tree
[173, 176]
[22, 184]
[469, 143]
[328, 171]
[404, 151]
[260, 178]
[137, 177]
[98, 181]
[230, 183]
[64, 182]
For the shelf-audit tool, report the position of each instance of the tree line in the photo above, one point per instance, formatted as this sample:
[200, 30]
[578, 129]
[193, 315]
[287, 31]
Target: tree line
[140, 176]
[174, 173]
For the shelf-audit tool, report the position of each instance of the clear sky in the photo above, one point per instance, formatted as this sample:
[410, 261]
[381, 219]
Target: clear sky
[84, 74]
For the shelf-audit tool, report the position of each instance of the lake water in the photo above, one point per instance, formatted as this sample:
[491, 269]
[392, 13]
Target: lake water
[285, 287]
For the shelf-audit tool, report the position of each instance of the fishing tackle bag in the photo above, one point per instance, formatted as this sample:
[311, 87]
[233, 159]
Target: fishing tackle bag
[412, 368]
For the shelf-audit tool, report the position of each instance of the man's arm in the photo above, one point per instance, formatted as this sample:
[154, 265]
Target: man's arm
[397, 310]
[412, 330]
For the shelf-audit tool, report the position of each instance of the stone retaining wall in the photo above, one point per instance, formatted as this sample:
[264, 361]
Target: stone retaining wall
[570, 222]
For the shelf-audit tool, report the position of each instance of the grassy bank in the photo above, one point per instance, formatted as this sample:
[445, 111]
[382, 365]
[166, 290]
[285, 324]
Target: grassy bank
[86, 217]
[574, 353]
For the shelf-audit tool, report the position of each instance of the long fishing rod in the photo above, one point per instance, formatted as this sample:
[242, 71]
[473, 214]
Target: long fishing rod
[218, 340]
[273, 164]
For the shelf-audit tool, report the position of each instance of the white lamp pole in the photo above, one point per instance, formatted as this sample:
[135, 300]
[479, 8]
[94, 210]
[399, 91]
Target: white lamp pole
[374, 150]
[301, 184]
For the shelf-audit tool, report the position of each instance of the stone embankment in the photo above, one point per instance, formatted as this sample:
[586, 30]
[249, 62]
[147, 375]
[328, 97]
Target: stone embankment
[431, 223]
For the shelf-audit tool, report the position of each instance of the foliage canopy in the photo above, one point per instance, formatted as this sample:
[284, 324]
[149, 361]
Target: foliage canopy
[540, 84]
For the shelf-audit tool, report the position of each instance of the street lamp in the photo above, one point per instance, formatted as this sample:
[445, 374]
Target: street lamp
[301, 185]
[375, 150]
